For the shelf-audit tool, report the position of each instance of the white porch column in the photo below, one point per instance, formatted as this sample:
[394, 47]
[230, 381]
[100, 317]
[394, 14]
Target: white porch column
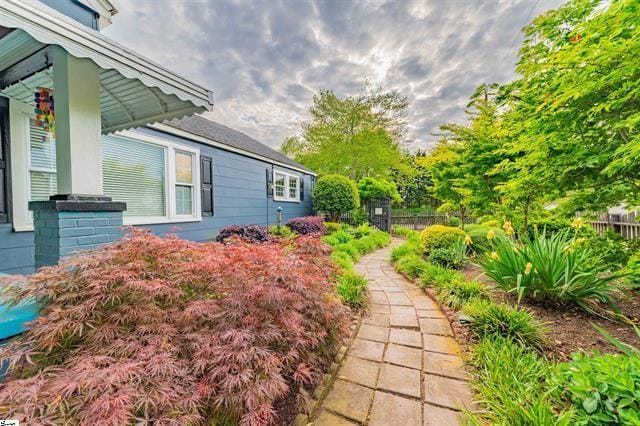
[76, 84]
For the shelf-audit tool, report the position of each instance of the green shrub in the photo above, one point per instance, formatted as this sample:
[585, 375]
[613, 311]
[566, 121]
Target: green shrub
[453, 257]
[609, 250]
[402, 232]
[352, 289]
[548, 268]
[361, 230]
[490, 223]
[349, 250]
[369, 188]
[331, 227]
[553, 225]
[437, 276]
[439, 236]
[454, 221]
[364, 245]
[604, 389]
[335, 194]
[412, 266]
[512, 383]
[456, 293]
[633, 270]
[359, 217]
[280, 231]
[447, 258]
[482, 237]
[342, 260]
[382, 239]
[489, 319]
[337, 238]
[399, 252]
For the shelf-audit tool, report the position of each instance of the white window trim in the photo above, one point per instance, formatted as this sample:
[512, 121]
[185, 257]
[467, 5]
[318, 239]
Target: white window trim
[287, 176]
[170, 179]
[19, 115]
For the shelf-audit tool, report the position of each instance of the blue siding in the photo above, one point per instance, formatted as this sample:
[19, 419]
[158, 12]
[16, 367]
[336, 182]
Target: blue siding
[239, 198]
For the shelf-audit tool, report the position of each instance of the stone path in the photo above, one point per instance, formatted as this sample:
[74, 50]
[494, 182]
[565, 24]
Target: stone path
[403, 367]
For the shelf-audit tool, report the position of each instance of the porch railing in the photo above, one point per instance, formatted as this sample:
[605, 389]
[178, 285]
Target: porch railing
[626, 224]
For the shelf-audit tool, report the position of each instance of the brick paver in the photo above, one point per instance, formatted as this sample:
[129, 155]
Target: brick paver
[403, 368]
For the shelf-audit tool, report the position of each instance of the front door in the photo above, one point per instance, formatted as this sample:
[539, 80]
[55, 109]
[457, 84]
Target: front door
[4, 161]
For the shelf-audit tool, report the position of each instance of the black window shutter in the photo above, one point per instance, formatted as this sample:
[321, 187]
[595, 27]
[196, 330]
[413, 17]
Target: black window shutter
[206, 175]
[4, 161]
[302, 188]
[269, 183]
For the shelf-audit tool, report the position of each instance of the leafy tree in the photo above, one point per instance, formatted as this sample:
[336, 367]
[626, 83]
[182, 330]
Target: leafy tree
[578, 99]
[566, 130]
[444, 163]
[355, 136]
[335, 194]
[369, 188]
[413, 181]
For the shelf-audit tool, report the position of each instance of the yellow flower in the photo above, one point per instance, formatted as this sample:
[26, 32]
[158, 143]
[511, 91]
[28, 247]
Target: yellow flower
[491, 234]
[577, 223]
[467, 240]
[566, 248]
[508, 228]
[527, 269]
[494, 255]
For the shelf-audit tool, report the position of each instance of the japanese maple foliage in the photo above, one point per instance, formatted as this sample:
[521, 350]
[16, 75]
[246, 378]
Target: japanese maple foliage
[168, 331]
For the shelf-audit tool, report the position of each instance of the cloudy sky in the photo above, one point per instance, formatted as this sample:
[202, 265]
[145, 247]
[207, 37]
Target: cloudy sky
[264, 60]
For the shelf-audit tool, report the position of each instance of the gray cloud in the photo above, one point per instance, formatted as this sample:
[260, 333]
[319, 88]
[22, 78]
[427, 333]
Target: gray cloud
[265, 59]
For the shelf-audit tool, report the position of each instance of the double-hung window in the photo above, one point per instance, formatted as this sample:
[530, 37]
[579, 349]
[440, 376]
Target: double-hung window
[185, 183]
[155, 177]
[286, 187]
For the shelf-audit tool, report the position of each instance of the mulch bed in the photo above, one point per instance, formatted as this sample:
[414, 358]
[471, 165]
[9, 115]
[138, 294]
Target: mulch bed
[570, 327]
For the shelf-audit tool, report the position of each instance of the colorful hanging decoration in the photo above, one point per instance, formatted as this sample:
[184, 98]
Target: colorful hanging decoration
[45, 115]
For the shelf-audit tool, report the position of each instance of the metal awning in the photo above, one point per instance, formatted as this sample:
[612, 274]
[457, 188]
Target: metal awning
[133, 90]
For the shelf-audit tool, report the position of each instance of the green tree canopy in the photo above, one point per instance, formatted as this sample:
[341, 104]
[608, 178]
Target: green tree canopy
[565, 131]
[355, 136]
[369, 188]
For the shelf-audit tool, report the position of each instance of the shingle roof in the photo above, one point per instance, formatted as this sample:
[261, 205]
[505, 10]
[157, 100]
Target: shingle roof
[222, 134]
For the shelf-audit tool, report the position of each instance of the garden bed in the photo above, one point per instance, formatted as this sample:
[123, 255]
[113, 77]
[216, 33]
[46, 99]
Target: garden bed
[570, 327]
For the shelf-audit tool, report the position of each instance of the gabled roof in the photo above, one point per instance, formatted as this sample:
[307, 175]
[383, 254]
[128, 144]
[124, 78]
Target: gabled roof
[234, 139]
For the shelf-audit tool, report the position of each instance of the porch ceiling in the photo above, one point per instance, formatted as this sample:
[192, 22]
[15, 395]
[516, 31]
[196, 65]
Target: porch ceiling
[133, 90]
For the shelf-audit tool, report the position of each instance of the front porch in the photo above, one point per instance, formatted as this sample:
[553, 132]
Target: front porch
[99, 87]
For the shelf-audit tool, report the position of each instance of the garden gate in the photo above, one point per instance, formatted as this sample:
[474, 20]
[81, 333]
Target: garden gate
[379, 213]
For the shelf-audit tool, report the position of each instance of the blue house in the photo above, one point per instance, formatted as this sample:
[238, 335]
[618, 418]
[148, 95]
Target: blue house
[121, 144]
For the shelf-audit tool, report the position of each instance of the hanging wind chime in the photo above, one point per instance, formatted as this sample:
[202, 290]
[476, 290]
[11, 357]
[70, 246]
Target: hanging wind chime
[45, 115]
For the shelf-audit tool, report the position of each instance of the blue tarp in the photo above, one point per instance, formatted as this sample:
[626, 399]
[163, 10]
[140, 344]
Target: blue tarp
[13, 319]
[12, 323]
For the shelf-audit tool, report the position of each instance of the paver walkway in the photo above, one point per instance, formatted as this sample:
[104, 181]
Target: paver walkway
[403, 367]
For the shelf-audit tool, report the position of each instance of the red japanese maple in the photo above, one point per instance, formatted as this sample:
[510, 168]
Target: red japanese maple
[163, 330]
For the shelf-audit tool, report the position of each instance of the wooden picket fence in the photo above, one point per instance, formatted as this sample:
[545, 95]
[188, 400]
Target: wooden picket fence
[418, 222]
[626, 225]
